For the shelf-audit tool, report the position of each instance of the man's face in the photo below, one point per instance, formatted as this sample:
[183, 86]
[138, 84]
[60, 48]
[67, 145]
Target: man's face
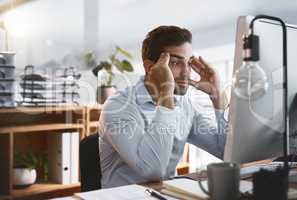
[180, 65]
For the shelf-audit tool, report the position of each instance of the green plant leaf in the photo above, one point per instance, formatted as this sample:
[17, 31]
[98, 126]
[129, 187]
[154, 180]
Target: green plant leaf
[31, 160]
[112, 58]
[127, 66]
[18, 159]
[124, 52]
[121, 64]
[90, 59]
[118, 64]
[110, 78]
[96, 70]
[106, 65]
[102, 65]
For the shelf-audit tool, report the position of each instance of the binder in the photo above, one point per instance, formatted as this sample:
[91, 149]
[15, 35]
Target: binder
[59, 157]
[63, 155]
[74, 168]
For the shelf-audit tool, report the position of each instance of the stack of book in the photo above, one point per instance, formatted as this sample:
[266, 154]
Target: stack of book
[42, 90]
[7, 85]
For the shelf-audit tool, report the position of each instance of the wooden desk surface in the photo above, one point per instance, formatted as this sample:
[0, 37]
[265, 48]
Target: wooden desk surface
[194, 176]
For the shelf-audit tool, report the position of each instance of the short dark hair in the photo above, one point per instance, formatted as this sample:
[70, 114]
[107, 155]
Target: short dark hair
[160, 38]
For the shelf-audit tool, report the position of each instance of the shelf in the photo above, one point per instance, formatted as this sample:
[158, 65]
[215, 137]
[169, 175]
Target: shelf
[94, 124]
[5, 197]
[31, 121]
[94, 107]
[46, 109]
[41, 127]
[46, 190]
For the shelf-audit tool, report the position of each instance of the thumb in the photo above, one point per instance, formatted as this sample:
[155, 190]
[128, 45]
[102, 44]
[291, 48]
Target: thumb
[164, 59]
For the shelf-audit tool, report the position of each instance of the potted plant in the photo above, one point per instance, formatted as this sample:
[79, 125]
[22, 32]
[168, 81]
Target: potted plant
[104, 71]
[26, 167]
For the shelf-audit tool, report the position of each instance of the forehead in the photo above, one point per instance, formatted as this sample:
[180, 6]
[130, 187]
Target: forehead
[185, 50]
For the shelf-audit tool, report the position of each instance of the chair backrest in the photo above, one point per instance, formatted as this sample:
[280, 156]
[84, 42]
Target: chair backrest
[89, 161]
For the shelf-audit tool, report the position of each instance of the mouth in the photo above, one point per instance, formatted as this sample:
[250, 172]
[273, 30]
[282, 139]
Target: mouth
[182, 83]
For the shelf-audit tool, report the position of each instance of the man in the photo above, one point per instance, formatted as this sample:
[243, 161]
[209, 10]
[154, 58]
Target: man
[144, 128]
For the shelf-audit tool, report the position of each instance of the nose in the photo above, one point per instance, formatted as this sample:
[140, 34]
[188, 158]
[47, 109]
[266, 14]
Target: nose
[186, 70]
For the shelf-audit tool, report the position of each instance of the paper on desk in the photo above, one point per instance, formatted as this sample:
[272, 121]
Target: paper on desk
[129, 192]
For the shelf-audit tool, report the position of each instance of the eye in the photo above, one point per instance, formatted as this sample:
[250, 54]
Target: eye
[173, 63]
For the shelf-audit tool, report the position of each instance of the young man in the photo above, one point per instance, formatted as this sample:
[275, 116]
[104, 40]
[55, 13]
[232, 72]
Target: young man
[144, 128]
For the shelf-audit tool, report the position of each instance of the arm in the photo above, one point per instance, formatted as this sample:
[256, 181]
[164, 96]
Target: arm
[146, 150]
[208, 135]
[204, 133]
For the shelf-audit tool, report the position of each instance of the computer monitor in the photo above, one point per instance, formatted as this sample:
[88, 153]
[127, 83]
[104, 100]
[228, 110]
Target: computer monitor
[256, 127]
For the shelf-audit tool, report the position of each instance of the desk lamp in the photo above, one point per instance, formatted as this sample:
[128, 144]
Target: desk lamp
[250, 81]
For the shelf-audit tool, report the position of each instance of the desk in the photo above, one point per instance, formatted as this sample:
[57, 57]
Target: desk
[196, 176]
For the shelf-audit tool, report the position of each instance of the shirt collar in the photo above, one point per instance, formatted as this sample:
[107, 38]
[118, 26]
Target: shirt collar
[143, 96]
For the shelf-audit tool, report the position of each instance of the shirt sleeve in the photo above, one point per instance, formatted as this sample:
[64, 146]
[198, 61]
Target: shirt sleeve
[145, 148]
[209, 134]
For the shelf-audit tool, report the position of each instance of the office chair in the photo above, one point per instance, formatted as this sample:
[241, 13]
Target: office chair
[89, 161]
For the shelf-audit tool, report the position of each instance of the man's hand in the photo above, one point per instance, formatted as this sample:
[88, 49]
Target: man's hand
[161, 81]
[209, 82]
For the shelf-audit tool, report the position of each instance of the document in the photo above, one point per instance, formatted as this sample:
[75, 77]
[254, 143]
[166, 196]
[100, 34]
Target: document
[129, 192]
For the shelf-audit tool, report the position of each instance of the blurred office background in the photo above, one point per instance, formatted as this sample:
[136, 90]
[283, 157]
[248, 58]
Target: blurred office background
[55, 33]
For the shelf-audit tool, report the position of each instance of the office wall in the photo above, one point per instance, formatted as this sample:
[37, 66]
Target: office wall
[54, 34]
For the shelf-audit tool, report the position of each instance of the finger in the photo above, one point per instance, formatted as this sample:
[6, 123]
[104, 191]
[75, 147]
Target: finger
[203, 62]
[197, 66]
[207, 68]
[197, 62]
[164, 59]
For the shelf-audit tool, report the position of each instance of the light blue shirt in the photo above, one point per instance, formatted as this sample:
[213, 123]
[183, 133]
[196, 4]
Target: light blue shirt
[140, 141]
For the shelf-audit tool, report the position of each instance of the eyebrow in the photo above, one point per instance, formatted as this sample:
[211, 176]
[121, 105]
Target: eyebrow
[177, 56]
[180, 57]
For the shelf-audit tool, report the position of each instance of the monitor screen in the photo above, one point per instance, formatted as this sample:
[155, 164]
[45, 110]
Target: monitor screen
[256, 127]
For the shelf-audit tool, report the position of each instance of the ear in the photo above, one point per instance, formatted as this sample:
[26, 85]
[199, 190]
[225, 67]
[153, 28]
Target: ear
[147, 65]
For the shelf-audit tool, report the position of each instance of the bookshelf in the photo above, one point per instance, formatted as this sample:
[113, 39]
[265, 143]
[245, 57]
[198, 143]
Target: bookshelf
[92, 118]
[45, 191]
[17, 123]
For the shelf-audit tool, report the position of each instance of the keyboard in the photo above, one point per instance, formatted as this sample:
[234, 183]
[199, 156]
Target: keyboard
[248, 171]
